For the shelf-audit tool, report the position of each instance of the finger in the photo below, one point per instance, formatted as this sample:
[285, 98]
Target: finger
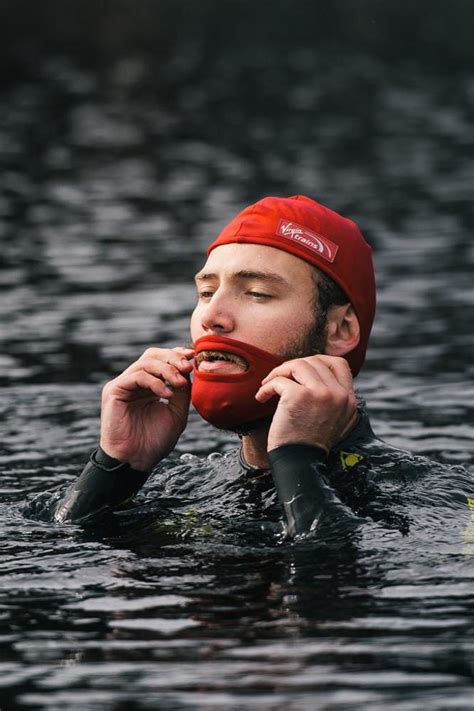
[302, 372]
[180, 358]
[167, 372]
[330, 370]
[184, 352]
[160, 361]
[338, 366]
[130, 385]
[159, 369]
[277, 386]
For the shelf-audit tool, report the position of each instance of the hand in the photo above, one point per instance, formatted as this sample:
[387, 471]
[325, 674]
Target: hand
[136, 425]
[317, 402]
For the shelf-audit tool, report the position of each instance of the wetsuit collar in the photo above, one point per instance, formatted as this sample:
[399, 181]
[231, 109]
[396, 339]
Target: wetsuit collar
[361, 431]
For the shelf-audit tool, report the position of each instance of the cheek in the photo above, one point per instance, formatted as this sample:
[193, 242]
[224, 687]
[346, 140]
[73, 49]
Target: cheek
[289, 328]
[272, 332]
[288, 319]
[194, 324]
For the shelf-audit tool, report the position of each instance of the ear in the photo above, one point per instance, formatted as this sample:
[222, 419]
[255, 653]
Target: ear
[343, 330]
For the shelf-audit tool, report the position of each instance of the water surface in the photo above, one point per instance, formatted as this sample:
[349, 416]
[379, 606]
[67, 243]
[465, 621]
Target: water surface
[114, 181]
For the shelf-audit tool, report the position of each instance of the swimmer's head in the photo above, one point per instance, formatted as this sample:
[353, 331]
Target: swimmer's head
[323, 238]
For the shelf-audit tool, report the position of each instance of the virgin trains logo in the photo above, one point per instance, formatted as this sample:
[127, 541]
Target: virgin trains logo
[316, 243]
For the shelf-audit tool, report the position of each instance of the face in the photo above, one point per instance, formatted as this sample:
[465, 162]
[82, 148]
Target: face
[260, 295]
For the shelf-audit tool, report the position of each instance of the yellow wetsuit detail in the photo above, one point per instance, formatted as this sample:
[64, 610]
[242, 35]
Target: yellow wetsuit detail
[349, 459]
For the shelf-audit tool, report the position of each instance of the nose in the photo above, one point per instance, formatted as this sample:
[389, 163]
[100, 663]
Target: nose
[217, 315]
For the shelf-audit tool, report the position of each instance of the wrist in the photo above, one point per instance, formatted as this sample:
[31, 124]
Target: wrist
[297, 450]
[293, 443]
[105, 459]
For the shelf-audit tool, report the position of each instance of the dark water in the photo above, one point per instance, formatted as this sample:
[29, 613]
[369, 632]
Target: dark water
[115, 175]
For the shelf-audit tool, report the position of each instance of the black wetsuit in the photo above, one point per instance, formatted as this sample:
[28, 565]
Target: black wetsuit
[362, 478]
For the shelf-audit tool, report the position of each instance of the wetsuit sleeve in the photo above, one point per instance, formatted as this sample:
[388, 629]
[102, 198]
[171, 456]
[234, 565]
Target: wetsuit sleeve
[104, 483]
[299, 475]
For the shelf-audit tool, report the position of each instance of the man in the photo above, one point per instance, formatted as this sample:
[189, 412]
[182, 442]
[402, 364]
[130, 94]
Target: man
[285, 306]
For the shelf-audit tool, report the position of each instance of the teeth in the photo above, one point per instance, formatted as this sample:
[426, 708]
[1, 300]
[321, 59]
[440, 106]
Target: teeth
[221, 355]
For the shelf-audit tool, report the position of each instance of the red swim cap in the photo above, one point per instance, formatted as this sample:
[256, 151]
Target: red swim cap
[321, 237]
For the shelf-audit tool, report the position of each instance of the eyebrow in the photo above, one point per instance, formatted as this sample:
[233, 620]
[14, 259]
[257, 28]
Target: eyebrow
[245, 275]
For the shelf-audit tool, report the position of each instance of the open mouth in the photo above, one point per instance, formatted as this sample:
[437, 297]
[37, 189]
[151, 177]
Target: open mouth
[220, 360]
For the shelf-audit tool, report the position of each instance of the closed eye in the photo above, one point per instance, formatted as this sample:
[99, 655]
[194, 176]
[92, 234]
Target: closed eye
[259, 295]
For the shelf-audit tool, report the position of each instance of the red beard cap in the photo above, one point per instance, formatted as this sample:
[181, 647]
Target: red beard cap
[227, 400]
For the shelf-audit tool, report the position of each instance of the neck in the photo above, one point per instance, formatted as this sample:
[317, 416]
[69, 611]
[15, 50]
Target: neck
[254, 447]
